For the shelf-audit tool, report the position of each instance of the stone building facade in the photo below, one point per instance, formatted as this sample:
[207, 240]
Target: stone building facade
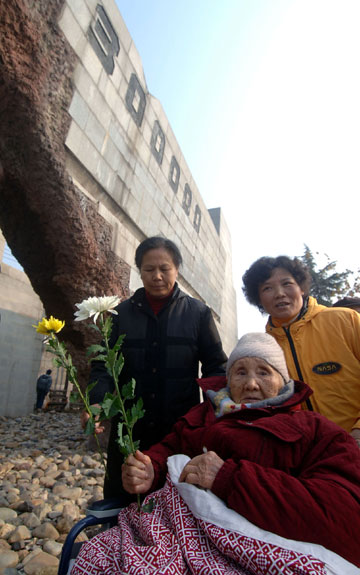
[123, 157]
[123, 153]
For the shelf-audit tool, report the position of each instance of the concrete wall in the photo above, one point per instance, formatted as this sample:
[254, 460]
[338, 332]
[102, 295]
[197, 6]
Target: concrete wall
[21, 347]
[124, 155]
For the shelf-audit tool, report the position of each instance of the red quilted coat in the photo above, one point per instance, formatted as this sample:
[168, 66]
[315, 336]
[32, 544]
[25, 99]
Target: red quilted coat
[288, 471]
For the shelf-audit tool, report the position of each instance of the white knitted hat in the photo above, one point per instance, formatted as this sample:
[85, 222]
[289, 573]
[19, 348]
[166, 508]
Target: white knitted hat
[263, 346]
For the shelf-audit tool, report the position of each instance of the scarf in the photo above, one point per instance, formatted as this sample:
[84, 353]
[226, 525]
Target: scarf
[223, 403]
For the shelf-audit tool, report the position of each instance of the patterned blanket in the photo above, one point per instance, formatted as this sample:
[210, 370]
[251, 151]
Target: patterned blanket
[174, 539]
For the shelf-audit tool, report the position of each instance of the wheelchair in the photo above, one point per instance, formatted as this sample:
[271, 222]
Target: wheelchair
[103, 512]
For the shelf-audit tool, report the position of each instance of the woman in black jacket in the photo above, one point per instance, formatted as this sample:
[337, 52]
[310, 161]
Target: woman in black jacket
[167, 334]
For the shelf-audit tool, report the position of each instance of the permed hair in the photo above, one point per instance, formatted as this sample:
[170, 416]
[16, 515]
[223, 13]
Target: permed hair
[155, 243]
[262, 269]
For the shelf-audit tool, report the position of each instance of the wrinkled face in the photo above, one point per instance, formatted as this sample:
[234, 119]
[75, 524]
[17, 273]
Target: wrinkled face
[253, 379]
[158, 272]
[280, 295]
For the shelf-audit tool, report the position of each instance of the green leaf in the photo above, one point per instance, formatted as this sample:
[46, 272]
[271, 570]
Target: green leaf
[137, 412]
[133, 412]
[74, 397]
[90, 386]
[95, 410]
[136, 444]
[110, 405]
[124, 450]
[128, 390]
[95, 348]
[110, 358]
[106, 326]
[148, 507]
[123, 441]
[109, 395]
[90, 427]
[119, 342]
[118, 365]
[119, 360]
[129, 418]
[99, 357]
[93, 326]
[106, 405]
[125, 445]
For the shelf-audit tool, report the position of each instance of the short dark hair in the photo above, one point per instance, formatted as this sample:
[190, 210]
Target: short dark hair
[155, 243]
[48, 371]
[262, 269]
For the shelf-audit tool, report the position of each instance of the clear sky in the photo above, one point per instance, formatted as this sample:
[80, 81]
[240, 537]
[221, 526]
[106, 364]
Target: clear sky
[264, 99]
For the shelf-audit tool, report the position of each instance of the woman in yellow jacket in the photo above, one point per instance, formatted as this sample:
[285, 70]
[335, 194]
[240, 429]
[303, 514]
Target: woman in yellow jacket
[321, 344]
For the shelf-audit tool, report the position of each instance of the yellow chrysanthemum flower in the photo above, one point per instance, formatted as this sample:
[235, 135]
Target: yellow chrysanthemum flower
[42, 326]
[47, 326]
[55, 325]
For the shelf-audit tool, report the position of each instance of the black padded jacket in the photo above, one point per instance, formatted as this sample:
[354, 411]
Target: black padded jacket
[162, 353]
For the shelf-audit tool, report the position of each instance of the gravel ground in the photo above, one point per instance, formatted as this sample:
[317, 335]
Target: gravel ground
[48, 475]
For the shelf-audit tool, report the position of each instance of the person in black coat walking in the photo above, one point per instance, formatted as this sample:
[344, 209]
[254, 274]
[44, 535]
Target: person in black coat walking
[43, 386]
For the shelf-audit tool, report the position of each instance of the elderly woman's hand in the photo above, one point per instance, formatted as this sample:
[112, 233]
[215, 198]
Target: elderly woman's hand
[137, 473]
[356, 435]
[202, 470]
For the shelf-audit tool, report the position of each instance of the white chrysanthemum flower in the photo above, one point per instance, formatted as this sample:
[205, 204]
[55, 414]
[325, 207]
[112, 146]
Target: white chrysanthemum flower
[93, 306]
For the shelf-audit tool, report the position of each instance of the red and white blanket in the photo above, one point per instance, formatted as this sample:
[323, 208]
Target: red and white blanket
[191, 531]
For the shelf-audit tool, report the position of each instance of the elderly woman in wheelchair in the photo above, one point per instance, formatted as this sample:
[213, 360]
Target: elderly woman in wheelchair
[247, 482]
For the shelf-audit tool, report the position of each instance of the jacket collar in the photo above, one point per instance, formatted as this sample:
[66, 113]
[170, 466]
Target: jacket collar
[139, 297]
[309, 310]
[301, 393]
[301, 314]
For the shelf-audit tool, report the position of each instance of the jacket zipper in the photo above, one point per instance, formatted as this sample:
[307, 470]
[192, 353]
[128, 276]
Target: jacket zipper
[296, 361]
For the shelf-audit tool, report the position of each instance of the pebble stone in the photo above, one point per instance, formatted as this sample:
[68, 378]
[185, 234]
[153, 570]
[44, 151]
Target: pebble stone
[48, 476]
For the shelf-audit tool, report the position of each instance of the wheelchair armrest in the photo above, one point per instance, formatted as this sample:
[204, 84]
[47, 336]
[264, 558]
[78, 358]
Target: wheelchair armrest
[105, 508]
[98, 513]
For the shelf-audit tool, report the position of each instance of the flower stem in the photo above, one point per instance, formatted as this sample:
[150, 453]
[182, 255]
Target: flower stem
[122, 403]
[71, 373]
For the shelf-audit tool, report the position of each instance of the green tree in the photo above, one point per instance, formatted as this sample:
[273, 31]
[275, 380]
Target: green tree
[327, 284]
